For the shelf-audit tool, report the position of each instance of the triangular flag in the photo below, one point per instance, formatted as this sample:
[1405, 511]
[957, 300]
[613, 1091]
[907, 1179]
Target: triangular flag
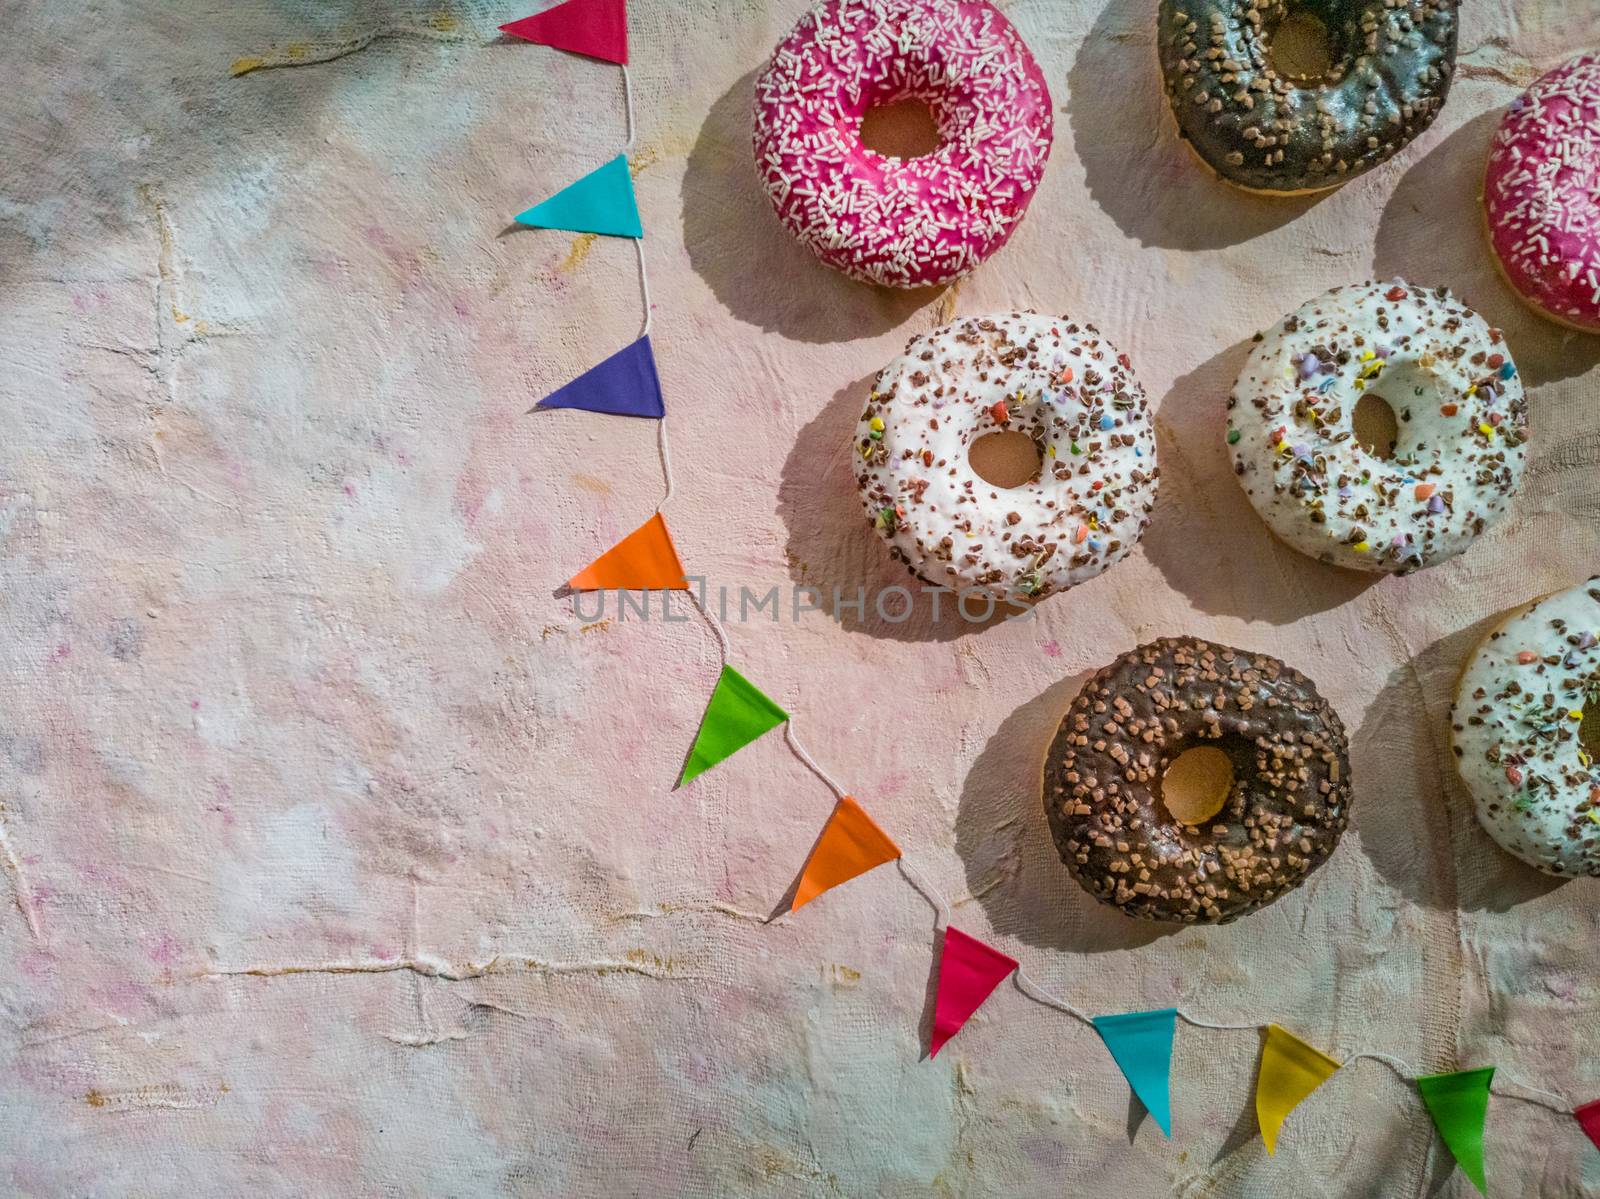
[850, 844]
[1290, 1070]
[625, 384]
[601, 202]
[1458, 1103]
[598, 28]
[644, 560]
[1588, 1117]
[969, 971]
[737, 714]
[1141, 1043]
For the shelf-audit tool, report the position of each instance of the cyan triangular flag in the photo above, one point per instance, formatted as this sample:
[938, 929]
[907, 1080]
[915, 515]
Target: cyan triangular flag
[601, 202]
[625, 384]
[1141, 1043]
[737, 714]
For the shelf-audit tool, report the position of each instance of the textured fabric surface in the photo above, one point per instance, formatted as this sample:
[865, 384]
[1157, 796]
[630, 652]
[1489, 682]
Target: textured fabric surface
[341, 858]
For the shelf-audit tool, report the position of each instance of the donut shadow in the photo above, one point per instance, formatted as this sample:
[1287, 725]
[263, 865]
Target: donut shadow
[1432, 233]
[1205, 537]
[1404, 742]
[1137, 166]
[1003, 839]
[833, 550]
[756, 269]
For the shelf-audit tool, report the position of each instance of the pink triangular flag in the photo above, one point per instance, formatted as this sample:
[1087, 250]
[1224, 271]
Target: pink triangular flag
[598, 28]
[1588, 1117]
[969, 971]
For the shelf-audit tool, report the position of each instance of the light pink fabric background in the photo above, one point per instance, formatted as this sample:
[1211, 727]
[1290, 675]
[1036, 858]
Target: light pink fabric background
[344, 858]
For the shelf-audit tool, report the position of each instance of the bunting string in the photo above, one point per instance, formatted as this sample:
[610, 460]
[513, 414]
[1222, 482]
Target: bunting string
[1199, 1023]
[666, 463]
[710, 617]
[627, 148]
[1038, 994]
[800, 751]
[1140, 1042]
[1406, 1072]
[1551, 1102]
[644, 287]
[927, 890]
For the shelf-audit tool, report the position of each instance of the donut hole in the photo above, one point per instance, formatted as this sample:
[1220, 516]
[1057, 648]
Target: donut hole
[1006, 458]
[900, 129]
[1196, 784]
[1300, 47]
[1589, 727]
[1375, 424]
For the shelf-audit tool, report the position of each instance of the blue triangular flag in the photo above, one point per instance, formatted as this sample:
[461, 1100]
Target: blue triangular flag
[601, 202]
[1141, 1043]
[625, 384]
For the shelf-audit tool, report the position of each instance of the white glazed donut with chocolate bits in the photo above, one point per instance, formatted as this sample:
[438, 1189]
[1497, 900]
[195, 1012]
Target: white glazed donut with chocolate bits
[1054, 379]
[1460, 413]
[1518, 732]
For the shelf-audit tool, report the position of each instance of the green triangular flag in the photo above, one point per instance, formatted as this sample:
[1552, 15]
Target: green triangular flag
[601, 202]
[1458, 1103]
[737, 714]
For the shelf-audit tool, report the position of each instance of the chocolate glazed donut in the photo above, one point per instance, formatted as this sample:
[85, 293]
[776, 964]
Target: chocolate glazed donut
[1280, 816]
[1391, 62]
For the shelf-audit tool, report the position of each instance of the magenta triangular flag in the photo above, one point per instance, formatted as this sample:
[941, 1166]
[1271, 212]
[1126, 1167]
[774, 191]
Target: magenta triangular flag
[598, 28]
[969, 971]
[625, 384]
[1588, 1117]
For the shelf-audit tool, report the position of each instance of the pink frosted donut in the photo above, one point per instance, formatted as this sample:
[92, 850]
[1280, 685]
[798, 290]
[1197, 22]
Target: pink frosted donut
[902, 222]
[1542, 194]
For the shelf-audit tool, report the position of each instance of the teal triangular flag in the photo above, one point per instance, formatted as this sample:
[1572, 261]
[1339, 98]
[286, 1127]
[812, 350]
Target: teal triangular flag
[737, 714]
[1141, 1043]
[1458, 1103]
[601, 202]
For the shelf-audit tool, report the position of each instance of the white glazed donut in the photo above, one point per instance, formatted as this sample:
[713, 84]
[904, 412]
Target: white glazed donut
[1458, 404]
[1054, 379]
[1516, 732]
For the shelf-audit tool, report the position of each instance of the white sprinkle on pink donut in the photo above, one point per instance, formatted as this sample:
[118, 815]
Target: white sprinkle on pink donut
[1542, 193]
[902, 222]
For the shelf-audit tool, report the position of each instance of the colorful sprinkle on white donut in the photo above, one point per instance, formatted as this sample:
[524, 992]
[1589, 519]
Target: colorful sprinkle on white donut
[902, 222]
[1056, 380]
[1517, 731]
[1459, 407]
[1542, 194]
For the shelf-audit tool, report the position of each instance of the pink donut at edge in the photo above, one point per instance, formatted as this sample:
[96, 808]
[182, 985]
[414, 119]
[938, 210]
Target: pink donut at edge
[1542, 194]
[902, 222]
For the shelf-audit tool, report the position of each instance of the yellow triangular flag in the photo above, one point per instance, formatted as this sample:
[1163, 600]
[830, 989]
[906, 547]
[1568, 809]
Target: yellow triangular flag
[1290, 1070]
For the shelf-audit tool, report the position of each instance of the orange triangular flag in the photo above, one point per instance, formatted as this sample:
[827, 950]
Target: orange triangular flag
[850, 844]
[644, 560]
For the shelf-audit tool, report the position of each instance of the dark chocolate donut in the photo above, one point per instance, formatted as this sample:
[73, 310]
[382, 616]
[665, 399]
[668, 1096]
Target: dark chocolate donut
[1391, 62]
[1288, 803]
